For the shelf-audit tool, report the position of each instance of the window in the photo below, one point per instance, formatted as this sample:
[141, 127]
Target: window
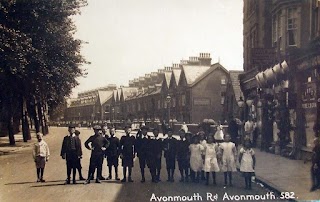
[292, 26]
[223, 81]
[223, 96]
[276, 28]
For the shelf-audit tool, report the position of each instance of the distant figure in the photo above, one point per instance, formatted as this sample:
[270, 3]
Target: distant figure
[219, 136]
[248, 129]
[185, 127]
[233, 131]
[41, 155]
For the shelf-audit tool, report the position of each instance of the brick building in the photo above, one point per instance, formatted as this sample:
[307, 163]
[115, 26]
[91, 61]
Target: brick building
[281, 61]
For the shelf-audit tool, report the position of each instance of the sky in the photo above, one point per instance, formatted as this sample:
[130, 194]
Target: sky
[127, 39]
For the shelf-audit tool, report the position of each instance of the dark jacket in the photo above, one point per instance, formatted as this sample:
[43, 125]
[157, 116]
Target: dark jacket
[114, 147]
[97, 142]
[170, 147]
[182, 149]
[127, 148]
[66, 146]
[141, 145]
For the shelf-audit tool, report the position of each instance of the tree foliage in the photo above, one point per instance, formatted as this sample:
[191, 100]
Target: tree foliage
[40, 58]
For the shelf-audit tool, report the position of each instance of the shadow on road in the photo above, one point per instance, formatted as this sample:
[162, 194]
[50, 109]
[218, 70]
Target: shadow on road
[16, 183]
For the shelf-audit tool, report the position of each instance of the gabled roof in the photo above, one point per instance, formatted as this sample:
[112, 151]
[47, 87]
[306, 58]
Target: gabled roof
[115, 94]
[176, 74]
[127, 91]
[104, 96]
[235, 82]
[167, 77]
[193, 72]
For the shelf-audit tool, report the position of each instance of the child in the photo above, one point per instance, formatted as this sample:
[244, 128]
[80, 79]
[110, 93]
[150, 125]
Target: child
[183, 156]
[195, 158]
[210, 162]
[169, 147]
[127, 153]
[229, 152]
[157, 153]
[79, 167]
[247, 162]
[41, 156]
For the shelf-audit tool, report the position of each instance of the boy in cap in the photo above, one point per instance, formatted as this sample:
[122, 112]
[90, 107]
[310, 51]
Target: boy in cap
[157, 153]
[183, 156]
[169, 145]
[112, 153]
[98, 145]
[127, 153]
[79, 167]
[71, 151]
[141, 149]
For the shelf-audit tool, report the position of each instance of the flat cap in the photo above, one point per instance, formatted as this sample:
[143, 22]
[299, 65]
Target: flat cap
[71, 126]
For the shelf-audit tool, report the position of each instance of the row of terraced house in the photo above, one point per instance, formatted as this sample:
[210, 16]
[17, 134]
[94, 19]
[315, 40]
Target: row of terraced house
[190, 91]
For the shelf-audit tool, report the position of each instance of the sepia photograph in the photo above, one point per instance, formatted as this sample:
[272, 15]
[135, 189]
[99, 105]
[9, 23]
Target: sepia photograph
[172, 100]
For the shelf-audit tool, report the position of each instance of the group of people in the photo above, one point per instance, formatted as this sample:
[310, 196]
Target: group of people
[197, 155]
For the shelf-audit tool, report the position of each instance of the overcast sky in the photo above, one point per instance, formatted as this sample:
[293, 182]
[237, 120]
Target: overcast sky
[130, 38]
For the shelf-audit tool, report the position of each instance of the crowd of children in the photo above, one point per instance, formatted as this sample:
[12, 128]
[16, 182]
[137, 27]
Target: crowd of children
[198, 155]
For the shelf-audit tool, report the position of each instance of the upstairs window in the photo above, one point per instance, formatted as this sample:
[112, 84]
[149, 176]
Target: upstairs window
[292, 26]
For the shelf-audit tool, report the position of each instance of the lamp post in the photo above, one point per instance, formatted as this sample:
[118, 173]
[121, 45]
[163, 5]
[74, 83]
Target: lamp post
[112, 109]
[240, 105]
[168, 100]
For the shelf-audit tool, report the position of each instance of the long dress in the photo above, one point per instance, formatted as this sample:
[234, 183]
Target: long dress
[196, 162]
[228, 156]
[246, 164]
[210, 161]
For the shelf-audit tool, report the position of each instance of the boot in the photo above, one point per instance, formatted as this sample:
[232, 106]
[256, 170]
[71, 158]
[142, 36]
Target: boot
[207, 178]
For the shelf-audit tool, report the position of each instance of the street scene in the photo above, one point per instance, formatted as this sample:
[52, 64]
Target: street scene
[107, 100]
[18, 181]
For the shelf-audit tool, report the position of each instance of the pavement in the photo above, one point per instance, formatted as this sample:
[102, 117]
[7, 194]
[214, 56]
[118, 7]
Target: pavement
[291, 178]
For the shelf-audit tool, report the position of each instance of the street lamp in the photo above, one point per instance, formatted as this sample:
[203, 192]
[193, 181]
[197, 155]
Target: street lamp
[112, 109]
[168, 100]
[240, 105]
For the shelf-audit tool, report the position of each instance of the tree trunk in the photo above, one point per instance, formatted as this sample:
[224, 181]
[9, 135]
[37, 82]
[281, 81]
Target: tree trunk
[40, 115]
[35, 117]
[10, 127]
[25, 125]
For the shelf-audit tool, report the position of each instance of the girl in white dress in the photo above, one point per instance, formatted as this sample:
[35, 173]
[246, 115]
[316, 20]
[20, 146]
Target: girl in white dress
[247, 162]
[195, 158]
[210, 162]
[229, 153]
[219, 136]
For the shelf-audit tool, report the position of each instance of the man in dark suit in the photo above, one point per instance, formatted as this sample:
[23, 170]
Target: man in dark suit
[141, 149]
[169, 147]
[112, 153]
[127, 153]
[98, 146]
[71, 151]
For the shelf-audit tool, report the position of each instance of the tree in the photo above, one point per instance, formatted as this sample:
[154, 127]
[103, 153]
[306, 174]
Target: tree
[41, 59]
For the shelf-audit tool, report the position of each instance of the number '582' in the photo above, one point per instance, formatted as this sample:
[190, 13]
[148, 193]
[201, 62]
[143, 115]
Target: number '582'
[287, 195]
